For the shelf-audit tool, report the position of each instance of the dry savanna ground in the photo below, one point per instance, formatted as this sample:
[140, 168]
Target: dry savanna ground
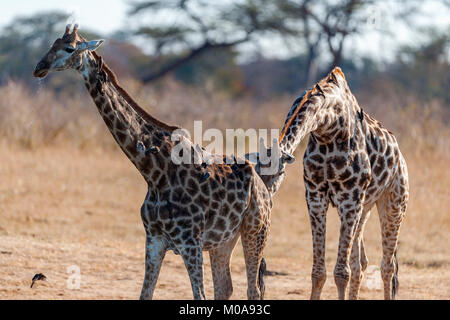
[70, 199]
[63, 207]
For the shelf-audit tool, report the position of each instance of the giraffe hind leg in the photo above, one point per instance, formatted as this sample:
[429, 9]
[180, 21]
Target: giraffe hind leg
[253, 252]
[220, 268]
[363, 256]
[254, 235]
[391, 217]
[358, 258]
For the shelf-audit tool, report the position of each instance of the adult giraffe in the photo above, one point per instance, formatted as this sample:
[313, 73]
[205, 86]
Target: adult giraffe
[189, 208]
[352, 162]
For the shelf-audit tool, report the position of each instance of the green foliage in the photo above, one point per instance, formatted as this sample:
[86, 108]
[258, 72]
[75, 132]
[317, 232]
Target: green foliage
[218, 66]
[192, 27]
[268, 77]
[425, 68]
[196, 21]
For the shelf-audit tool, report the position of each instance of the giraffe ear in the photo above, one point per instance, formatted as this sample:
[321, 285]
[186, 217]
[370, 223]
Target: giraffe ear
[332, 78]
[319, 90]
[90, 45]
[94, 44]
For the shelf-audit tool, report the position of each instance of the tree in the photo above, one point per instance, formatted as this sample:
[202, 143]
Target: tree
[326, 25]
[196, 26]
[425, 68]
[319, 28]
[333, 24]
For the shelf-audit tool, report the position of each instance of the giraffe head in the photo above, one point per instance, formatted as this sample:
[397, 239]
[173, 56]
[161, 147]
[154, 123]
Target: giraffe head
[272, 177]
[66, 53]
[317, 110]
[271, 154]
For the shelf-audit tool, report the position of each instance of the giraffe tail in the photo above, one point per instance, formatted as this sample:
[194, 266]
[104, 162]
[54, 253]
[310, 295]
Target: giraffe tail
[262, 270]
[395, 283]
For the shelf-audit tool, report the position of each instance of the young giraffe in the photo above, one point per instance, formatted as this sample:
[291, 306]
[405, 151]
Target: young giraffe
[273, 180]
[352, 162]
[188, 208]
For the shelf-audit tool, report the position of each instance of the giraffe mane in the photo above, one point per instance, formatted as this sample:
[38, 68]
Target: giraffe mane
[317, 88]
[145, 115]
[305, 98]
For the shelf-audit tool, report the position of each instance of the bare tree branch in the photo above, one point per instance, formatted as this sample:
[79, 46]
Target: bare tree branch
[190, 56]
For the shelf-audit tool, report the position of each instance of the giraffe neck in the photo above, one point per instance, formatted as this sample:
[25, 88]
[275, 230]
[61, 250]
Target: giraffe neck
[327, 118]
[135, 131]
[273, 182]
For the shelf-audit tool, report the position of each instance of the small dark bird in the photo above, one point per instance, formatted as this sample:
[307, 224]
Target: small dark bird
[38, 277]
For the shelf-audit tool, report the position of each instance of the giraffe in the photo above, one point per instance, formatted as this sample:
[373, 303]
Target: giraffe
[189, 208]
[273, 180]
[351, 162]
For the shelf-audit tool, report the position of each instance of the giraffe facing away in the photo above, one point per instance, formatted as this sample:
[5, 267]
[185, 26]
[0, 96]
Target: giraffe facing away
[183, 211]
[352, 163]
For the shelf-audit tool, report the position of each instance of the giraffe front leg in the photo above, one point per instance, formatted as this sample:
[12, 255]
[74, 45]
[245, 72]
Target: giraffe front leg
[358, 259]
[220, 267]
[155, 250]
[350, 217]
[317, 208]
[193, 260]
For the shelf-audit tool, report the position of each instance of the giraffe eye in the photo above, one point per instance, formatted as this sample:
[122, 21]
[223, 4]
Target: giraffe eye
[69, 50]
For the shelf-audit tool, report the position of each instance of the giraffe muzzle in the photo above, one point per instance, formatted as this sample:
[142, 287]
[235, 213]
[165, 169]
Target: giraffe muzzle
[41, 70]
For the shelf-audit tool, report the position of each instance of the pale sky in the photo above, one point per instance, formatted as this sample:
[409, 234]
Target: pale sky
[107, 16]
[104, 16]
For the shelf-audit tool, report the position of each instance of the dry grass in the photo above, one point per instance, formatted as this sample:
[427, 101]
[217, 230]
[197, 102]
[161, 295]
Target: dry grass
[72, 198]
